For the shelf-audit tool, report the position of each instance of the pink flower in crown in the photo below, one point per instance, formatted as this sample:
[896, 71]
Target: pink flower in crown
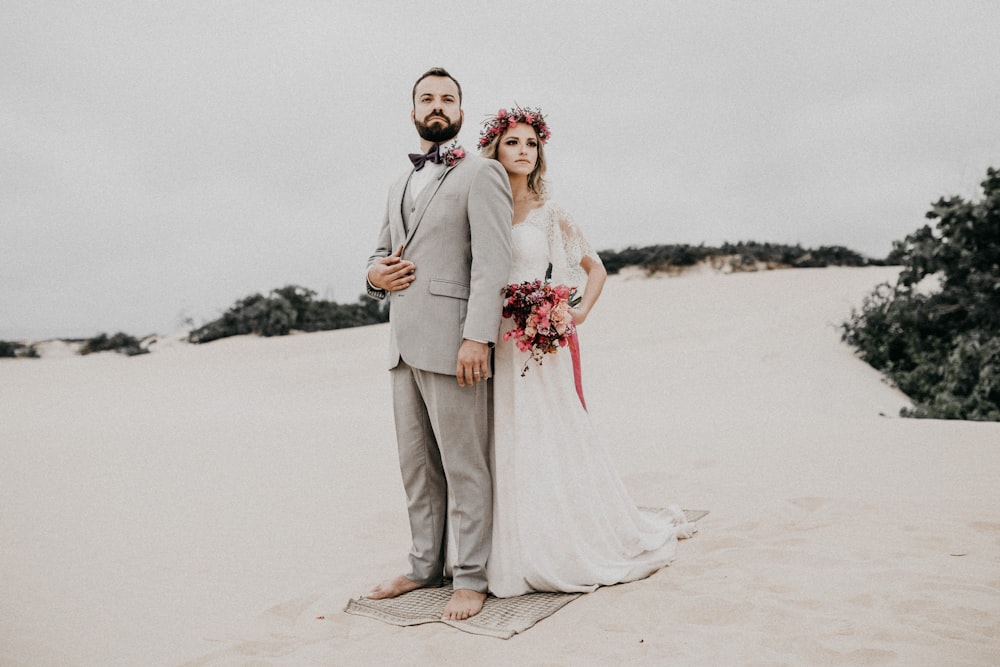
[504, 119]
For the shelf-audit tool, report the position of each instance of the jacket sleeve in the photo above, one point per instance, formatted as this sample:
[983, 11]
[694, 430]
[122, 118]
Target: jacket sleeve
[491, 210]
[383, 248]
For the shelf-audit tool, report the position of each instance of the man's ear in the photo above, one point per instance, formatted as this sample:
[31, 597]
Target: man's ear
[413, 115]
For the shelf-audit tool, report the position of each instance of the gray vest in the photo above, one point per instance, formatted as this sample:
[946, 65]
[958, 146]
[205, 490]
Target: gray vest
[409, 206]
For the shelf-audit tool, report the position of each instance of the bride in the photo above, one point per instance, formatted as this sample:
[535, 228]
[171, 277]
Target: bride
[562, 519]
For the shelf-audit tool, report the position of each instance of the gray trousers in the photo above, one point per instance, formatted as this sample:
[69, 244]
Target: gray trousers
[442, 432]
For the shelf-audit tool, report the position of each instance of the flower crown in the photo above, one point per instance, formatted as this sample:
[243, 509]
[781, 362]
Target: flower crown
[494, 126]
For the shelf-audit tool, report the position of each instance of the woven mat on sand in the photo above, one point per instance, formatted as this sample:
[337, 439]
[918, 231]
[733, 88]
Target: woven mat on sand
[500, 617]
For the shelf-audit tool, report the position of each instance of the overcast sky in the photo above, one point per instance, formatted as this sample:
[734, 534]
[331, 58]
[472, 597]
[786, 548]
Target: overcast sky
[160, 160]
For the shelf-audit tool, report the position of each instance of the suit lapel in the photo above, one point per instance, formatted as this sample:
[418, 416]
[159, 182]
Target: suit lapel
[424, 200]
[396, 212]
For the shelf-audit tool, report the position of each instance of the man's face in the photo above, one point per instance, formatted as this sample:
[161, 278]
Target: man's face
[437, 112]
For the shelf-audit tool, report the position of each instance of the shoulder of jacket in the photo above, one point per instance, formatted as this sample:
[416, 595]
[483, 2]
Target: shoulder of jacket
[472, 161]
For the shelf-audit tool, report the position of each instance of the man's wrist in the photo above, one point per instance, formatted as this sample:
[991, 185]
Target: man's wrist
[374, 292]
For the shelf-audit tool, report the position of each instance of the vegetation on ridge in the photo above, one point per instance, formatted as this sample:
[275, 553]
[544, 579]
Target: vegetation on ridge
[119, 342]
[940, 342]
[14, 349]
[286, 309]
[295, 308]
[743, 256]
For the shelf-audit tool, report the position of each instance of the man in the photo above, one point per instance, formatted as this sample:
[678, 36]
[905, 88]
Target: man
[442, 257]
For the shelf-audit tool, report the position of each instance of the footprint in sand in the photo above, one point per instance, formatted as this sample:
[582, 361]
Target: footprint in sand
[809, 504]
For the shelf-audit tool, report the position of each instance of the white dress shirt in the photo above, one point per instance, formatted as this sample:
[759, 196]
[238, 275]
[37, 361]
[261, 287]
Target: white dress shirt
[421, 179]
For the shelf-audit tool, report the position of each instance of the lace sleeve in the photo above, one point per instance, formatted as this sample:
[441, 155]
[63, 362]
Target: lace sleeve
[568, 246]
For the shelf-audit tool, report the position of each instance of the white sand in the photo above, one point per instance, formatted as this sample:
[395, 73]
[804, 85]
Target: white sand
[203, 505]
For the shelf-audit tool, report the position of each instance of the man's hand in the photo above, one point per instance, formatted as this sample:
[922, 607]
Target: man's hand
[392, 273]
[473, 363]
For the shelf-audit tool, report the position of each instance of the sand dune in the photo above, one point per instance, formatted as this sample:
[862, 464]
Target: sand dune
[203, 505]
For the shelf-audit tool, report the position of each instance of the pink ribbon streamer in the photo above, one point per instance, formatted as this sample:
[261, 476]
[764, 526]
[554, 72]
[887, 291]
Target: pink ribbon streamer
[574, 349]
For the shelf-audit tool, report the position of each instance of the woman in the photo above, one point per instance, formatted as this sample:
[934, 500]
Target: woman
[562, 519]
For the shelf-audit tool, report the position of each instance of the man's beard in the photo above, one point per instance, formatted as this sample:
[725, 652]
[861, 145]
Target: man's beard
[438, 132]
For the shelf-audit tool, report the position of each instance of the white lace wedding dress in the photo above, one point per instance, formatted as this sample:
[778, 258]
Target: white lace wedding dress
[562, 519]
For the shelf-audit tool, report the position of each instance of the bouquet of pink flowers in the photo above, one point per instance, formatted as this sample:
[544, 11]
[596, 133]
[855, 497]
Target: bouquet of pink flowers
[542, 318]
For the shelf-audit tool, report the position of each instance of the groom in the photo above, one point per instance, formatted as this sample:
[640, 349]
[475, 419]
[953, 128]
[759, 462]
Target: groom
[442, 257]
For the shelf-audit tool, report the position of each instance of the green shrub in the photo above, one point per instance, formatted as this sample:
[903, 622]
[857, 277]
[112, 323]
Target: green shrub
[749, 254]
[119, 342]
[941, 345]
[12, 349]
[287, 308]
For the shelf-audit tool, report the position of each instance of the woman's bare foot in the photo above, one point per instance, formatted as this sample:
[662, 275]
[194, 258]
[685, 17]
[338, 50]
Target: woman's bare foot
[391, 588]
[463, 605]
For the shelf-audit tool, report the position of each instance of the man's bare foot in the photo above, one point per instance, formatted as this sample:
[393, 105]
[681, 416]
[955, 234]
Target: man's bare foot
[463, 605]
[391, 588]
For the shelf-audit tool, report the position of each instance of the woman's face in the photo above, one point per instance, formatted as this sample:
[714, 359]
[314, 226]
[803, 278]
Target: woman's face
[518, 149]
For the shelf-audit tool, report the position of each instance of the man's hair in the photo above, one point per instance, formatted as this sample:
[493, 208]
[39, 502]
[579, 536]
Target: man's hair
[436, 71]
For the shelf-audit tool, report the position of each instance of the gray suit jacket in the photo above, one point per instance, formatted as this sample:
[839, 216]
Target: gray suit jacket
[459, 241]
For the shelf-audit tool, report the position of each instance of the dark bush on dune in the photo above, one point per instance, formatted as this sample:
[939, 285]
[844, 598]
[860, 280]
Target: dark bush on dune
[11, 349]
[940, 344]
[295, 308]
[286, 309]
[119, 342]
[741, 256]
